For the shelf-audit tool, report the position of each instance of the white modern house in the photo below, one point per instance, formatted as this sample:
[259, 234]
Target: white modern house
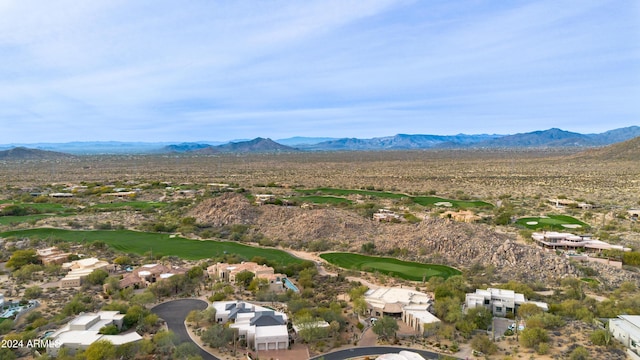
[500, 301]
[79, 270]
[83, 331]
[409, 305]
[568, 241]
[626, 329]
[262, 328]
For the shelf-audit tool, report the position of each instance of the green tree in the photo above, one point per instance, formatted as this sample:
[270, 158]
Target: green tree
[309, 327]
[186, 350]
[194, 317]
[109, 330]
[532, 337]
[217, 335]
[97, 277]
[123, 260]
[100, 350]
[33, 292]
[244, 278]
[483, 344]
[360, 306]
[195, 273]
[579, 353]
[20, 258]
[368, 248]
[143, 298]
[480, 316]
[601, 337]
[165, 341]
[6, 326]
[528, 309]
[385, 327]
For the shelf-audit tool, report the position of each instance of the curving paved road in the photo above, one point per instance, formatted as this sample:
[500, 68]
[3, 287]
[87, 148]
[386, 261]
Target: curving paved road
[175, 312]
[373, 350]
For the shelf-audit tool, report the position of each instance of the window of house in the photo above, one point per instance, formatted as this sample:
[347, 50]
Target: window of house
[498, 308]
[487, 301]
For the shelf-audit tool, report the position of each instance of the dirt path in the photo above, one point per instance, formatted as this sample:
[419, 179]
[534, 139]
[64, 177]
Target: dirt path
[315, 257]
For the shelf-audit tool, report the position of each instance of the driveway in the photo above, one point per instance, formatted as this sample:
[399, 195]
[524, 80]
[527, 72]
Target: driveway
[373, 350]
[175, 312]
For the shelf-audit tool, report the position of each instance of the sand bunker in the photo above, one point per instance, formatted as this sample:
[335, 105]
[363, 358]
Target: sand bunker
[532, 223]
[443, 203]
[572, 226]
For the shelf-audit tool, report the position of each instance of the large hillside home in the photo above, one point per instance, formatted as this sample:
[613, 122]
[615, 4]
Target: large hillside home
[500, 301]
[83, 331]
[260, 327]
[411, 306]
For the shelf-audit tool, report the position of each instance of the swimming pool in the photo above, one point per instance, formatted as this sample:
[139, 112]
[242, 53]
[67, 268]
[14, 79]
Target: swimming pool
[290, 285]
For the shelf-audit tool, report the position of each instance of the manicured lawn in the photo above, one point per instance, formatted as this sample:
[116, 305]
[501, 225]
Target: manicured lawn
[46, 207]
[432, 200]
[137, 205]
[390, 266]
[555, 222]
[161, 244]
[317, 199]
[6, 220]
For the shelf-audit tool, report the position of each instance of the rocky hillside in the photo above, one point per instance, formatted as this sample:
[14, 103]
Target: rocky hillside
[432, 240]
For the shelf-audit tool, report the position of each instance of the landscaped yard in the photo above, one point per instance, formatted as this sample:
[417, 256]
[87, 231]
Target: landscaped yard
[552, 222]
[390, 266]
[160, 244]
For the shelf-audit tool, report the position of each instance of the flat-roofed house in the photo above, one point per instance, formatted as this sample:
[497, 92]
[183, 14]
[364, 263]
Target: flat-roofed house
[52, 255]
[79, 270]
[83, 331]
[148, 274]
[409, 305]
[500, 301]
[626, 329]
[228, 272]
[568, 241]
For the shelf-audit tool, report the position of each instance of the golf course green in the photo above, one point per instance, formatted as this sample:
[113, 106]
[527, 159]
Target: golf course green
[393, 267]
[160, 244]
[555, 222]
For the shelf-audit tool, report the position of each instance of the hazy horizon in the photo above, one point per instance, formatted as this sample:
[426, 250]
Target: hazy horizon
[159, 71]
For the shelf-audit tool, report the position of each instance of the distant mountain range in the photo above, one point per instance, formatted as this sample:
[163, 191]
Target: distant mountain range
[257, 145]
[23, 153]
[537, 139]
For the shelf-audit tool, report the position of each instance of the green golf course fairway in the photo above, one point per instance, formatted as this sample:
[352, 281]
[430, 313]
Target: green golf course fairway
[403, 269]
[556, 222]
[140, 243]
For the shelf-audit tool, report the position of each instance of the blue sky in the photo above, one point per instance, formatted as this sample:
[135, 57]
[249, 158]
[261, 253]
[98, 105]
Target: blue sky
[159, 70]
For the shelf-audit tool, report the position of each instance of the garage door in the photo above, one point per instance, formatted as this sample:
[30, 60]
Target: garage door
[282, 345]
[262, 346]
[272, 346]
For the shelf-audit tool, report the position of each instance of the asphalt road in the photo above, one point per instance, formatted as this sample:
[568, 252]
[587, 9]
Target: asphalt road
[174, 312]
[373, 350]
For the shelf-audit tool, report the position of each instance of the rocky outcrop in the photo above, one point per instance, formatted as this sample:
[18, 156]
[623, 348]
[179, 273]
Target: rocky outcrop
[227, 209]
[432, 240]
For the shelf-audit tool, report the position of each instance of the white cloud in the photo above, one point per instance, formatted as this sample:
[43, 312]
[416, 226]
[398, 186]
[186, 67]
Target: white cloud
[396, 65]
